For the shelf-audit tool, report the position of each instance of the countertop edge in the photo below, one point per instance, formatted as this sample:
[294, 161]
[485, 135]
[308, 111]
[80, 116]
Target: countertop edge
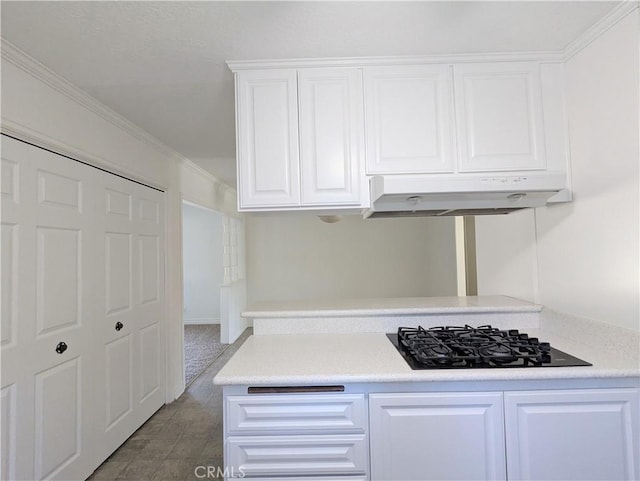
[468, 375]
[382, 311]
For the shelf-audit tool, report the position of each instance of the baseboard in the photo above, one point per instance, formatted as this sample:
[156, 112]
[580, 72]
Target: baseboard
[203, 320]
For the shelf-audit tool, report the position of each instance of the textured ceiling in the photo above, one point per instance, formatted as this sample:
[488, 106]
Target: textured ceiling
[162, 64]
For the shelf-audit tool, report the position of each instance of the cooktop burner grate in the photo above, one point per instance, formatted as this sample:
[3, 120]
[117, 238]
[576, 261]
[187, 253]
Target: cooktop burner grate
[476, 347]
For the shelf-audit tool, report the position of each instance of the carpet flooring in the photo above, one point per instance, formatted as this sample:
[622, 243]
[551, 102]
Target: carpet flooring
[201, 347]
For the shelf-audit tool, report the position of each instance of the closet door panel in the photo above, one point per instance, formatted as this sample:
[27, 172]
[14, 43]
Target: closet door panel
[47, 361]
[130, 383]
[82, 312]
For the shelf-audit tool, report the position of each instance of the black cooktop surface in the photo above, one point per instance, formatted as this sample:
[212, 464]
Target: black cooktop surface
[466, 347]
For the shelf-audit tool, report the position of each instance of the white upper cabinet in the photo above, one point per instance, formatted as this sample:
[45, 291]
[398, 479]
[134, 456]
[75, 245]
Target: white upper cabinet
[331, 137]
[499, 116]
[408, 119]
[312, 133]
[267, 133]
[300, 138]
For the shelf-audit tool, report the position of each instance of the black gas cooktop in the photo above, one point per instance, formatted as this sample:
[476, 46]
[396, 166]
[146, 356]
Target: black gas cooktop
[466, 347]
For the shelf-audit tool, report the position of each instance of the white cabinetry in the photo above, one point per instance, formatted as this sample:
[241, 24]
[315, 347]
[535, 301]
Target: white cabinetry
[584, 433]
[580, 434]
[409, 119]
[303, 125]
[267, 133]
[331, 136]
[572, 435]
[437, 436]
[297, 435]
[300, 138]
[508, 117]
[499, 116]
[298, 455]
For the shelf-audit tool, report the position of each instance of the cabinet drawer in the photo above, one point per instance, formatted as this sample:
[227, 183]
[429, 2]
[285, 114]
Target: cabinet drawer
[311, 478]
[296, 413]
[298, 455]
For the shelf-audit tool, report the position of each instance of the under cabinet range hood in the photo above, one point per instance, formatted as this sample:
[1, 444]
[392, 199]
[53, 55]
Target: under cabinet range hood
[465, 194]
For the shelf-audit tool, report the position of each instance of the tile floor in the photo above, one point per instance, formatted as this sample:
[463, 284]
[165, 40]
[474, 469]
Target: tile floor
[178, 438]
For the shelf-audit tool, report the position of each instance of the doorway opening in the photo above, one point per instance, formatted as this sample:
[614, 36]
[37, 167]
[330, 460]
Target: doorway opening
[203, 279]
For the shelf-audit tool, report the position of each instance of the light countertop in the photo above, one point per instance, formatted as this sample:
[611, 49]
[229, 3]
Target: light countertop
[388, 306]
[387, 314]
[371, 357]
[345, 342]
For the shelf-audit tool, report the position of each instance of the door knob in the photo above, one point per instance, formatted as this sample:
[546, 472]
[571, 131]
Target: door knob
[119, 325]
[61, 347]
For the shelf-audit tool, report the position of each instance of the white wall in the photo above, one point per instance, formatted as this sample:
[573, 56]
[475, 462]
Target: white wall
[506, 255]
[585, 254]
[40, 106]
[588, 250]
[202, 255]
[295, 257]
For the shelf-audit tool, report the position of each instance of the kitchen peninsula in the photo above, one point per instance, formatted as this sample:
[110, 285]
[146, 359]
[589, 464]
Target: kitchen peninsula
[320, 389]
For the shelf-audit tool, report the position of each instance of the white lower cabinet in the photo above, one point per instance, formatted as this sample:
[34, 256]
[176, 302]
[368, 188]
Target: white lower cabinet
[497, 434]
[578, 434]
[589, 434]
[297, 435]
[309, 478]
[437, 436]
[299, 455]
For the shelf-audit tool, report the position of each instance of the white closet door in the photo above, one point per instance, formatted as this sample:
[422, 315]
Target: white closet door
[48, 243]
[81, 250]
[129, 280]
[11, 377]
[150, 302]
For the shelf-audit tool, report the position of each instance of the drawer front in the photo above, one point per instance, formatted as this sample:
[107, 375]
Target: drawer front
[311, 478]
[297, 455]
[295, 413]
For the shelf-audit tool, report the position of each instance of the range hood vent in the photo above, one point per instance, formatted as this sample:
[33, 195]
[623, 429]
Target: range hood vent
[462, 194]
[441, 213]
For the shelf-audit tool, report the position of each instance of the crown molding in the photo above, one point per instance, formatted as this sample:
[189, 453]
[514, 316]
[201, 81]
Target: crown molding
[614, 16]
[31, 66]
[600, 27]
[28, 64]
[549, 56]
[224, 196]
[191, 165]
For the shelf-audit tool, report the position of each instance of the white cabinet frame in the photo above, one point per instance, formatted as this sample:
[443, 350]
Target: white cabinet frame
[409, 119]
[576, 435]
[267, 138]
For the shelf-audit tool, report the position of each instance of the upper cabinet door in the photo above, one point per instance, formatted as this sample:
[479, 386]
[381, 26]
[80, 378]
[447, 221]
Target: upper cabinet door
[267, 120]
[331, 135]
[499, 116]
[408, 119]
